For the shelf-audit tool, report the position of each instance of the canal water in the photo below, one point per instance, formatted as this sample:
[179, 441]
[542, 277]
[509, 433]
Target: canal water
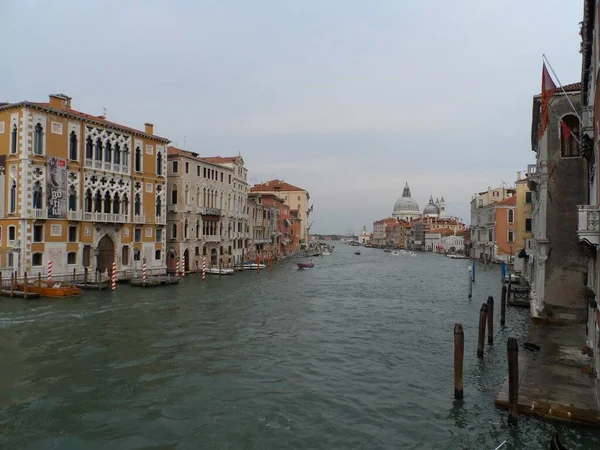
[355, 354]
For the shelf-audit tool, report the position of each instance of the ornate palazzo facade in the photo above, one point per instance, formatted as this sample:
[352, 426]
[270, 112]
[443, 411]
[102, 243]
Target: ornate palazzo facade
[78, 190]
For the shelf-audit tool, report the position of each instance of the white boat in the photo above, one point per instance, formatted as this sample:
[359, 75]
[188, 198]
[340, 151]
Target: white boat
[413, 254]
[402, 252]
[222, 271]
[395, 253]
[325, 253]
[455, 256]
[253, 266]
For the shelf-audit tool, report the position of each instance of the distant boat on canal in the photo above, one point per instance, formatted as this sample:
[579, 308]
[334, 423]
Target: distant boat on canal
[306, 265]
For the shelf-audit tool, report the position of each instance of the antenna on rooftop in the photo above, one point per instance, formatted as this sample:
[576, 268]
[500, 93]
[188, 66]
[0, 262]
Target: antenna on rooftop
[104, 111]
[184, 141]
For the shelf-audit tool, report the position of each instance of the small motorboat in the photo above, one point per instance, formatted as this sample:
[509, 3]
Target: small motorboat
[325, 253]
[555, 443]
[221, 271]
[306, 265]
[357, 253]
[252, 266]
[395, 253]
[387, 250]
[52, 289]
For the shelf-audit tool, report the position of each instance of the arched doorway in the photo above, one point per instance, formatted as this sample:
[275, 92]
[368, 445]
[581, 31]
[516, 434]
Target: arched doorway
[106, 254]
[213, 257]
[186, 255]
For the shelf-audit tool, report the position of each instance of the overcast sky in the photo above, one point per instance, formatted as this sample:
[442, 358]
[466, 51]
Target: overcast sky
[348, 99]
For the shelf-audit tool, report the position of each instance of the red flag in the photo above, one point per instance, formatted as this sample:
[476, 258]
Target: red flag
[566, 131]
[548, 90]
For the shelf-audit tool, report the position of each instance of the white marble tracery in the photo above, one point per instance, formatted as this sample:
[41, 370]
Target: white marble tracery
[107, 150]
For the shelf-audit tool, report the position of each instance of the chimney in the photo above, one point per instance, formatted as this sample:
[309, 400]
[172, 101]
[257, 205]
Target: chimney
[60, 101]
[149, 128]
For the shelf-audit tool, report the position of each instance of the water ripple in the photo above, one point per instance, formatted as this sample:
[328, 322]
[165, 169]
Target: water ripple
[356, 354]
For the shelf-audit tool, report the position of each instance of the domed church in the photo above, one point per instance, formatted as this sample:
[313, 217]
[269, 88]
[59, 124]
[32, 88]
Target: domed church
[406, 208]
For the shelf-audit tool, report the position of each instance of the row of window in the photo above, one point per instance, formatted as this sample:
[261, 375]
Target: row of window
[37, 259]
[93, 151]
[209, 198]
[209, 174]
[72, 235]
[115, 204]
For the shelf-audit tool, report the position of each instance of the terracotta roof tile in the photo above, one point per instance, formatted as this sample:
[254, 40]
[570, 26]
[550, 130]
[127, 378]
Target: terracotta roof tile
[275, 185]
[510, 201]
[89, 117]
[177, 151]
[220, 159]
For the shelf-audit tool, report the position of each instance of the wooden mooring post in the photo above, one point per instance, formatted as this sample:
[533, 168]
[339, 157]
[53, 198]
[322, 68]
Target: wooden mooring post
[25, 285]
[503, 307]
[512, 348]
[39, 279]
[85, 277]
[470, 286]
[490, 319]
[12, 284]
[459, 350]
[74, 276]
[481, 336]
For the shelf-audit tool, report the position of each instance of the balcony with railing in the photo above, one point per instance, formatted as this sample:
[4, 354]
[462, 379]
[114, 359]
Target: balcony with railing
[172, 208]
[161, 220]
[210, 238]
[209, 211]
[74, 215]
[530, 245]
[41, 213]
[103, 217]
[14, 243]
[188, 208]
[140, 218]
[588, 224]
[106, 165]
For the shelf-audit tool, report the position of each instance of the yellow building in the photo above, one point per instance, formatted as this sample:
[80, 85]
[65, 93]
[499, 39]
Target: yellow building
[78, 190]
[522, 213]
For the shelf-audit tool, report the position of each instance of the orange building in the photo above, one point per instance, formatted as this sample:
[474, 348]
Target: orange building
[79, 190]
[505, 228]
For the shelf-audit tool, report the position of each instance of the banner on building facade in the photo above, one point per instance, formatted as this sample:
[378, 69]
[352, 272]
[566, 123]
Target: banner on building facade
[2, 183]
[56, 188]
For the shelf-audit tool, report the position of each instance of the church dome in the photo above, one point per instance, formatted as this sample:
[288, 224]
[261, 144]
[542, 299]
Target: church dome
[431, 209]
[405, 205]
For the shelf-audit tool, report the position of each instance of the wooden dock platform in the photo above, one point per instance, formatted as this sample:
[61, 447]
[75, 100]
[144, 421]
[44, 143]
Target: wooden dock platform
[93, 286]
[519, 296]
[154, 281]
[551, 382]
[19, 294]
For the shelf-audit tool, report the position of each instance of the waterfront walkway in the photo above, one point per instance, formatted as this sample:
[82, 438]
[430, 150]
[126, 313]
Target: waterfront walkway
[552, 384]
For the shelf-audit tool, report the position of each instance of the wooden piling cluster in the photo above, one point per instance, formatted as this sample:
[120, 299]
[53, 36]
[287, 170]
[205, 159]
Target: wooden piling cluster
[486, 320]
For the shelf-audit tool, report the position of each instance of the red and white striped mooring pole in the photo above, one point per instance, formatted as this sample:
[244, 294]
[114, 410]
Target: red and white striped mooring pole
[49, 270]
[183, 266]
[113, 281]
[203, 269]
